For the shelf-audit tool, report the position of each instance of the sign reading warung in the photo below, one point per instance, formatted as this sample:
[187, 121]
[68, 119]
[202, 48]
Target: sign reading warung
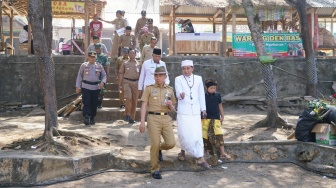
[68, 7]
[277, 44]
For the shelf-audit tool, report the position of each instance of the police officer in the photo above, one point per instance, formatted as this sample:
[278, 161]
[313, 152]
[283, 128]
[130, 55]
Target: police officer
[158, 99]
[127, 39]
[103, 60]
[90, 79]
[128, 79]
[119, 62]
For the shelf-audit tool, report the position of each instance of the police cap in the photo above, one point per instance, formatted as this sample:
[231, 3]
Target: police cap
[92, 54]
[143, 12]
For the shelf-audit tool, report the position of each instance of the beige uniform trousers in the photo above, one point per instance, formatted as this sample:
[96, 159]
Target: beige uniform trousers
[131, 94]
[115, 46]
[158, 125]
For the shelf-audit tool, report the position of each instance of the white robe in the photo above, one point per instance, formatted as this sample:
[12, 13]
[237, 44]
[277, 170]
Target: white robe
[189, 110]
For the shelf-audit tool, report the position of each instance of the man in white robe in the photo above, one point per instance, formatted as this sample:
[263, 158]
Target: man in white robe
[191, 103]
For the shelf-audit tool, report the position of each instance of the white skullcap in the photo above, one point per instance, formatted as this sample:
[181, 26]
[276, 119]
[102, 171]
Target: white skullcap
[187, 63]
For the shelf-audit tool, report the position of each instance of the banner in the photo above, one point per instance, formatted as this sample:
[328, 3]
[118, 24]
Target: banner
[276, 44]
[68, 7]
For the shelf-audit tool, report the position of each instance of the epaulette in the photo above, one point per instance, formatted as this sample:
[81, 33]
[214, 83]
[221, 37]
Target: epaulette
[150, 85]
[169, 86]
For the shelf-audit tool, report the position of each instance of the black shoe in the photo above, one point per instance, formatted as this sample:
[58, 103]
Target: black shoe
[100, 107]
[156, 175]
[100, 104]
[92, 121]
[122, 106]
[127, 118]
[86, 120]
[131, 121]
[160, 156]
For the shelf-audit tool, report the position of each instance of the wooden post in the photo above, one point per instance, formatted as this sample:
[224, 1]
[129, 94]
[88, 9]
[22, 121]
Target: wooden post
[170, 32]
[11, 30]
[223, 33]
[174, 36]
[87, 33]
[312, 25]
[213, 25]
[29, 39]
[1, 28]
[234, 22]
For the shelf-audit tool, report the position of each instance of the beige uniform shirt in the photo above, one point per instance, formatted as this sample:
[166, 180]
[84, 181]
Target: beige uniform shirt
[130, 69]
[119, 23]
[155, 97]
[146, 53]
[155, 30]
[140, 24]
[119, 62]
[127, 41]
[145, 39]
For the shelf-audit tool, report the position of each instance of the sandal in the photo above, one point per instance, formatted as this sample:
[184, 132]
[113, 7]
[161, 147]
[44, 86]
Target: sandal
[204, 165]
[225, 156]
[181, 156]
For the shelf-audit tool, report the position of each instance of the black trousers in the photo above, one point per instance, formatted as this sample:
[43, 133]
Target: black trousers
[90, 101]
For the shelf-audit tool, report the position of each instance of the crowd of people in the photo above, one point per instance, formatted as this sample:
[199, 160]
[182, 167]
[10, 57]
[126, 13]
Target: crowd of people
[199, 112]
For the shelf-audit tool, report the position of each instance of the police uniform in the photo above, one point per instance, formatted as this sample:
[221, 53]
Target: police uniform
[146, 53]
[131, 71]
[118, 23]
[158, 121]
[104, 61]
[127, 41]
[119, 62]
[88, 79]
[145, 39]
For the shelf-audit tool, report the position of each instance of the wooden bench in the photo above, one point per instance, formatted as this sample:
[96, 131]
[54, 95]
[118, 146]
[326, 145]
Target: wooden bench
[23, 46]
[5, 47]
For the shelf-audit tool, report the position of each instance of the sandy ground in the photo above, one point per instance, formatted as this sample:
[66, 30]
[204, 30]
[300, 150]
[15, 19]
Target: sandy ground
[14, 125]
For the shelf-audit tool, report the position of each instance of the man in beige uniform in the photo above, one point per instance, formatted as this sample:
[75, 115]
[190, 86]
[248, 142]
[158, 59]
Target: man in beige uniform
[147, 50]
[119, 23]
[128, 78]
[145, 38]
[158, 99]
[141, 22]
[118, 64]
[127, 39]
[153, 29]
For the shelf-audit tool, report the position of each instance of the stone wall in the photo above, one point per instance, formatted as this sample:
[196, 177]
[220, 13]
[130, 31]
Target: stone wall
[19, 80]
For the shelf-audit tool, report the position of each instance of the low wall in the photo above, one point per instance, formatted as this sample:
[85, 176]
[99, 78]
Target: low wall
[19, 80]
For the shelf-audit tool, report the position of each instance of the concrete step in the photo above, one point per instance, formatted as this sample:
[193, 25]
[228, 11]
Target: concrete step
[111, 86]
[111, 94]
[114, 102]
[110, 114]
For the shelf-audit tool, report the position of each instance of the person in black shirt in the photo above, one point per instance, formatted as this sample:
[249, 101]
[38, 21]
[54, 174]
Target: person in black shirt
[212, 124]
[187, 26]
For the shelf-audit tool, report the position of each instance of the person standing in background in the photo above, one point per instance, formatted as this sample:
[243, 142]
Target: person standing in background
[153, 29]
[147, 51]
[96, 27]
[145, 38]
[119, 62]
[127, 39]
[141, 22]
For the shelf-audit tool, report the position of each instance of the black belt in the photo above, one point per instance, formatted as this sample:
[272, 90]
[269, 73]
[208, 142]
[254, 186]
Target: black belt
[158, 113]
[131, 79]
[91, 83]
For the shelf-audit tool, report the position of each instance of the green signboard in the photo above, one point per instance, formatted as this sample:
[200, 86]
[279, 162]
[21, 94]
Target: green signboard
[277, 44]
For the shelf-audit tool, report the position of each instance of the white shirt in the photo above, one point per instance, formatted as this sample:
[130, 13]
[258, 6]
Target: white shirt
[23, 36]
[194, 98]
[147, 73]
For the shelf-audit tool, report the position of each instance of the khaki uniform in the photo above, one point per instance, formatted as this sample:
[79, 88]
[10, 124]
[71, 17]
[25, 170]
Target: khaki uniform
[158, 125]
[145, 40]
[141, 22]
[146, 53]
[118, 23]
[118, 64]
[127, 41]
[131, 71]
[155, 30]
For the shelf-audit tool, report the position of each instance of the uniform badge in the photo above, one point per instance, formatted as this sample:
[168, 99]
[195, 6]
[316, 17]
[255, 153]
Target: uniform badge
[154, 92]
[154, 98]
[87, 73]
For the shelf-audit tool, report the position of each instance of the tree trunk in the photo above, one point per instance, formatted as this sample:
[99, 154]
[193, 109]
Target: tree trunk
[42, 46]
[311, 70]
[270, 87]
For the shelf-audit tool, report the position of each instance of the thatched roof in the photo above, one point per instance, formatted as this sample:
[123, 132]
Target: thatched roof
[198, 3]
